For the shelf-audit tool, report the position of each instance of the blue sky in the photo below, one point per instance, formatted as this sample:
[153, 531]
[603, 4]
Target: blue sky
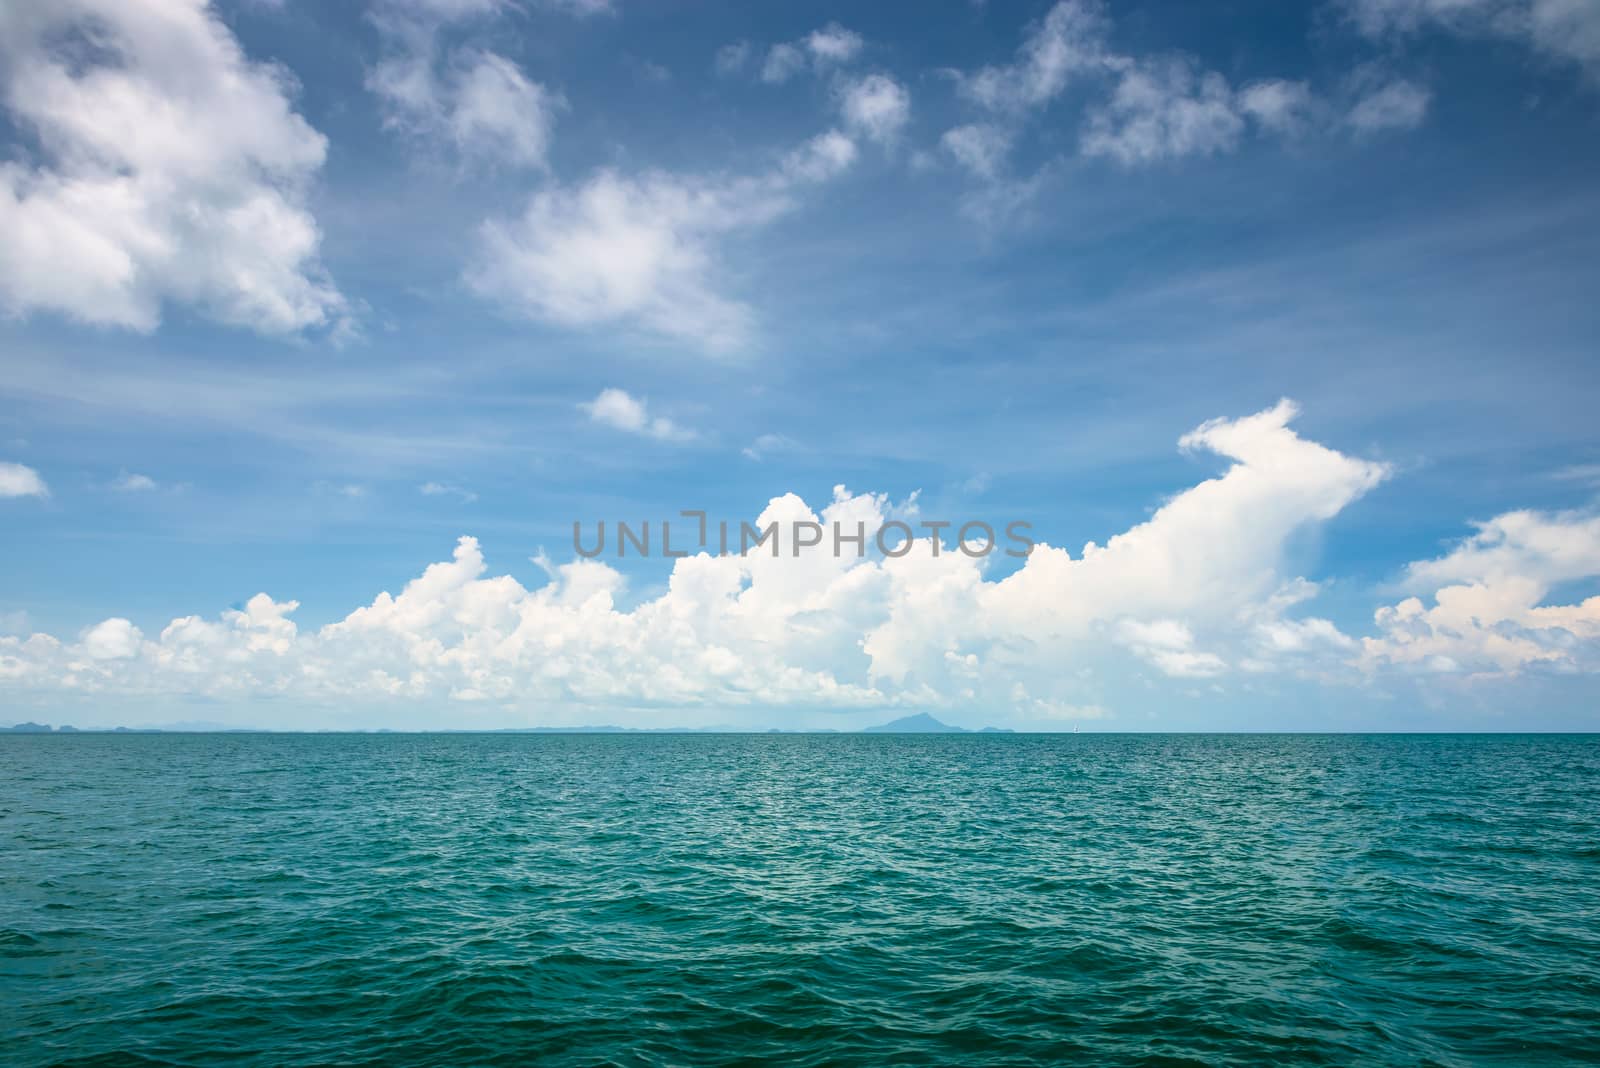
[298, 295]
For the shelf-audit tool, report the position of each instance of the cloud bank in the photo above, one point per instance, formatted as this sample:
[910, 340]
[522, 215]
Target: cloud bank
[1199, 590]
[1201, 593]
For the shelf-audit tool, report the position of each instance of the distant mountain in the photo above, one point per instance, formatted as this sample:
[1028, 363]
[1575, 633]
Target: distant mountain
[32, 728]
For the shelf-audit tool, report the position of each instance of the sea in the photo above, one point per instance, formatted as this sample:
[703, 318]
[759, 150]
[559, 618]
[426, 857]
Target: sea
[720, 899]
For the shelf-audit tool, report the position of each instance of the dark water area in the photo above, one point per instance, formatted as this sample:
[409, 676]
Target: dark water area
[821, 900]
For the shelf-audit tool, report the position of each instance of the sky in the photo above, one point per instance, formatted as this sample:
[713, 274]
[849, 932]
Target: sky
[323, 325]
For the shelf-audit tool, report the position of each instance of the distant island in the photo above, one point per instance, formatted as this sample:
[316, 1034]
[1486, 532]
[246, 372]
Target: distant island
[920, 723]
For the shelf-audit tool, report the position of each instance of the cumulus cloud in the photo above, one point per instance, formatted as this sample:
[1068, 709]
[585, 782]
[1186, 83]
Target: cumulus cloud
[876, 107]
[478, 102]
[1200, 589]
[833, 43]
[168, 168]
[18, 480]
[1169, 645]
[640, 251]
[621, 410]
[113, 639]
[1488, 613]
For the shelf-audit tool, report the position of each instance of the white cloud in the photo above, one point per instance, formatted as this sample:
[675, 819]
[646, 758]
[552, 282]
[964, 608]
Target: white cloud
[445, 489]
[732, 58]
[1589, 473]
[17, 480]
[640, 251]
[1489, 614]
[478, 102]
[1563, 30]
[626, 249]
[1199, 587]
[350, 490]
[1162, 110]
[783, 62]
[1006, 201]
[1168, 109]
[113, 639]
[766, 445]
[831, 45]
[441, 10]
[824, 157]
[580, 8]
[1069, 42]
[170, 168]
[1386, 104]
[1159, 107]
[1280, 107]
[619, 409]
[875, 106]
[496, 109]
[446, 10]
[983, 150]
[132, 482]
[979, 147]
[1169, 645]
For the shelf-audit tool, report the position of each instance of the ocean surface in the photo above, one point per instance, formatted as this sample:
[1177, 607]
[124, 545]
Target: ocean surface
[814, 900]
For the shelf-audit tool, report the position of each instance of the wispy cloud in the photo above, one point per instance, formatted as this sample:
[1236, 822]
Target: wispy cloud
[1383, 102]
[132, 482]
[768, 444]
[444, 489]
[1563, 30]
[478, 102]
[349, 490]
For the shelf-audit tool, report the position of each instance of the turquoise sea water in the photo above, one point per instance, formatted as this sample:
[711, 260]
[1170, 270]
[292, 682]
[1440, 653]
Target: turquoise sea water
[657, 900]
